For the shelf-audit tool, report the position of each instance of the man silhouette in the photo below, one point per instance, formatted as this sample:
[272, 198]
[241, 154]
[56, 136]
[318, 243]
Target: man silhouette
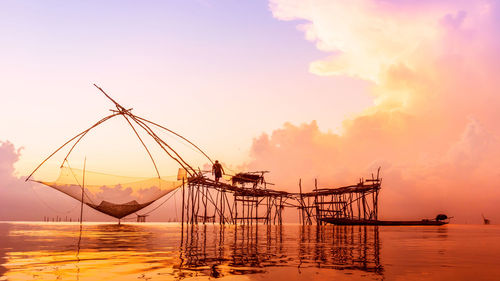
[217, 170]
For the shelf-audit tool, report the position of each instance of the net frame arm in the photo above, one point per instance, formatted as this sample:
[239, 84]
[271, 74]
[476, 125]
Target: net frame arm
[81, 134]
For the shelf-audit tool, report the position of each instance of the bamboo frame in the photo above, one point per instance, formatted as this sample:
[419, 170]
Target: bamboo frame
[236, 203]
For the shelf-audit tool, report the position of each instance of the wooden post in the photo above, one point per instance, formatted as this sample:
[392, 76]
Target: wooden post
[365, 205]
[192, 204]
[301, 213]
[280, 210]
[256, 211]
[318, 215]
[222, 218]
[205, 191]
[197, 202]
[235, 208]
[83, 192]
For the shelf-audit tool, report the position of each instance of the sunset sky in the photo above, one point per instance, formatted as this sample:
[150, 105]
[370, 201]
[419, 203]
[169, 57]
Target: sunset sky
[307, 89]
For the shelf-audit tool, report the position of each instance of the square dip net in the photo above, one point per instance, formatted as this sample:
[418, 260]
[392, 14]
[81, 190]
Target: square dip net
[117, 196]
[120, 196]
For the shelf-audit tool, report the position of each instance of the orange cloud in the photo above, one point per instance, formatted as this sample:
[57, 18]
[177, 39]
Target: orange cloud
[433, 127]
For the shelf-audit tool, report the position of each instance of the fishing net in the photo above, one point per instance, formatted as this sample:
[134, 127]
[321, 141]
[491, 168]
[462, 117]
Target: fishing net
[117, 196]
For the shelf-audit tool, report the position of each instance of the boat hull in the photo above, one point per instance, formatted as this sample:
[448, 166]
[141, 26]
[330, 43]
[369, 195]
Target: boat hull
[340, 221]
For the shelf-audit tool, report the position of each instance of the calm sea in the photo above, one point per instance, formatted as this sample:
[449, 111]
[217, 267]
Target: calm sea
[148, 251]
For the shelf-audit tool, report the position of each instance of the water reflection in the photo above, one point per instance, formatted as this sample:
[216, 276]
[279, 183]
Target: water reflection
[169, 252]
[244, 249]
[48, 251]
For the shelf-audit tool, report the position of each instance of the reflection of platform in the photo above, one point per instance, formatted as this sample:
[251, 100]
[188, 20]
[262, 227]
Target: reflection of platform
[217, 251]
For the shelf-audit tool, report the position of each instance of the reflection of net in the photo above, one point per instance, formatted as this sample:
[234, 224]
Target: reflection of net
[116, 196]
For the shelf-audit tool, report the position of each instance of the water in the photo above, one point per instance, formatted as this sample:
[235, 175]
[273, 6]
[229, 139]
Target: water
[49, 251]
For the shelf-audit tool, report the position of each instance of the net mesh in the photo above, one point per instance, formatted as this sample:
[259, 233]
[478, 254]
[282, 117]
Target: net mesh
[117, 196]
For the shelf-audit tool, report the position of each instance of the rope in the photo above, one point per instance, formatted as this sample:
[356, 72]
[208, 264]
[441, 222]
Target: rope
[76, 179]
[48, 206]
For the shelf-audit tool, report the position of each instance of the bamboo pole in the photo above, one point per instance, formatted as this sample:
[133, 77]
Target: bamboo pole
[162, 143]
[70, 140]
[301, 213]
[143, 144]
[83, 191]
[199, 149]
[192, 204]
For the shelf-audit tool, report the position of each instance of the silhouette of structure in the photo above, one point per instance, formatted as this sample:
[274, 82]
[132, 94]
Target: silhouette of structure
[141, 218]
[244, 199]
[352, 202]
[205, 200]
[249, 201]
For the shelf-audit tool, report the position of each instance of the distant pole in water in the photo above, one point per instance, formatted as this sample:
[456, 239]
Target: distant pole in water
[83, 190]
[182, 220]
[81, 210]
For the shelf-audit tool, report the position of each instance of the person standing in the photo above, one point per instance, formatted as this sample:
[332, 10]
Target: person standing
[217, 170]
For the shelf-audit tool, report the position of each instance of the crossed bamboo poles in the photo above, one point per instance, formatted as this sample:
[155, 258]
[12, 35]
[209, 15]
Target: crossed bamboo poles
[141, 123]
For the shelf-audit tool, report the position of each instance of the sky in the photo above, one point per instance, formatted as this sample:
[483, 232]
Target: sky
[307, 89]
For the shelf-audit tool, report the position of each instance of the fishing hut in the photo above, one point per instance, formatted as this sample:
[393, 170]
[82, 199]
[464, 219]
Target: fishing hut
[141, 218]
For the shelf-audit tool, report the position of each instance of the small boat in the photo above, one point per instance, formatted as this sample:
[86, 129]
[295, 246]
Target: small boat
[439, 220]
[485, 220]
[339, 221]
